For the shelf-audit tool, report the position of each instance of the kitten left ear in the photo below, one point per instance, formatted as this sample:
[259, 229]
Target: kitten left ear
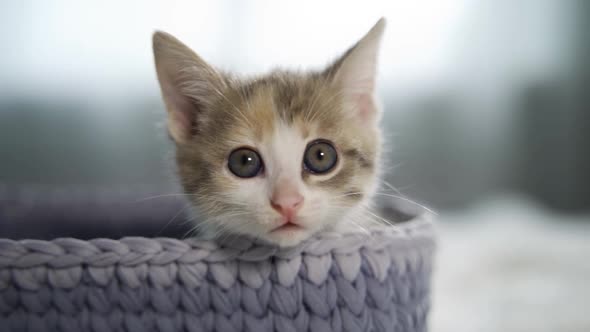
[189, 86]
[355, 73]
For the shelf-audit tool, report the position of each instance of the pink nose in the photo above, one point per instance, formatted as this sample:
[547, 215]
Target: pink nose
[286, 205]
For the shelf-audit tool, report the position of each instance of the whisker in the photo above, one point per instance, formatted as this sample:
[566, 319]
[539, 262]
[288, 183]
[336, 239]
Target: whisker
[373, 218]
[162, 195]
[349, 194]
[172, 219]
[218, 224]
[324, 110]
[359, 226]
[234, 106]
[391, 187]
[405, 199]
[308, 112]
[367, 210]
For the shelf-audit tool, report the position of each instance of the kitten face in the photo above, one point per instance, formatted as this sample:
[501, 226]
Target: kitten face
[278, 157]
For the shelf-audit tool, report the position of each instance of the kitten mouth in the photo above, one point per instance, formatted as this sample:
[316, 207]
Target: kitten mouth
[288, 226]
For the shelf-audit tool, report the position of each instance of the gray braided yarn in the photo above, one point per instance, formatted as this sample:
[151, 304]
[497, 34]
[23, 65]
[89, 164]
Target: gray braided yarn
[333, 282]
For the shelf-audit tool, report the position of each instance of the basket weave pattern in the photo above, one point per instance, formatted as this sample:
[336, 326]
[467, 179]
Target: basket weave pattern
[333, 282]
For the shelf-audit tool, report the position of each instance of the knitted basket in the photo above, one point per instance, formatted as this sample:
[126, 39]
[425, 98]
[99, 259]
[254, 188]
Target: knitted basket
[333, 282]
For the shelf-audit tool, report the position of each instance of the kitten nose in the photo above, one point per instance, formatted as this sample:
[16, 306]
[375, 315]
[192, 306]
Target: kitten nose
[286, 204]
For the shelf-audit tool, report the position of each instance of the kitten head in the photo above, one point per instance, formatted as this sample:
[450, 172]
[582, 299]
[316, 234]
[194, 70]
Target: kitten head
[280, 156]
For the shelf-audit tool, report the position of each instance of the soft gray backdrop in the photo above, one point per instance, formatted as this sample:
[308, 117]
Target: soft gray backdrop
[486, 113]
[480, 97]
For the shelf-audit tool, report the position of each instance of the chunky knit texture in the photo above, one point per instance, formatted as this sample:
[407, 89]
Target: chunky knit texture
[333, 282]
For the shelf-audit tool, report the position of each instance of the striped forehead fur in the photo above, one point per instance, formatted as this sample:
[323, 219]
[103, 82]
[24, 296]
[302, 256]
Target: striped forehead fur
[249, 109]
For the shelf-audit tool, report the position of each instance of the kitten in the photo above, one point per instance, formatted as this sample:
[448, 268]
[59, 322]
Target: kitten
[280, 156]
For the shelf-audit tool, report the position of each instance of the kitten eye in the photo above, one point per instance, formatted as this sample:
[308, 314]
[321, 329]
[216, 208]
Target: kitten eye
[320, 157]
[244, 163]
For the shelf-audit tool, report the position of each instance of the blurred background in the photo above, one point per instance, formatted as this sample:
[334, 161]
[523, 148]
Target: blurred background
[487, 117]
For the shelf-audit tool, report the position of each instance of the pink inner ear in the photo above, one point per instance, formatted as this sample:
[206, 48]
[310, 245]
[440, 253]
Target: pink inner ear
[182, 113]
[183, 121]
[365, 105]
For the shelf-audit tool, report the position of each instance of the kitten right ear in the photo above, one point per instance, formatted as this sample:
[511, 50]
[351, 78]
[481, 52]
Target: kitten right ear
[188, 85]
[355, 74]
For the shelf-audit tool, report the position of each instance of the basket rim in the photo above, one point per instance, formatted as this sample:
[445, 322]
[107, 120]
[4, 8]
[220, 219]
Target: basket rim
[415, 234]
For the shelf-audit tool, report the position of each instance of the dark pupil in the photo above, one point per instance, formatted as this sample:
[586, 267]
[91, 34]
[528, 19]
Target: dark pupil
[246, 159]
[320, 155]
